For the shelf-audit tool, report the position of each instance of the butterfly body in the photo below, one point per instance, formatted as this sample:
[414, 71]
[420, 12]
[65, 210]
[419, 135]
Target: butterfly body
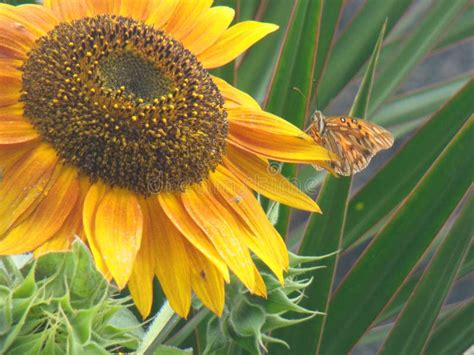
[354, 141]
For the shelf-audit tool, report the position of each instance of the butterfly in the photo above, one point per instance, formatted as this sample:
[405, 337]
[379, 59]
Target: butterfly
[354, 141]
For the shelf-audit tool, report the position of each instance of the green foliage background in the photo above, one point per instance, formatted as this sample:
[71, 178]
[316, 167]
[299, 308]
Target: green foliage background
[404, 229]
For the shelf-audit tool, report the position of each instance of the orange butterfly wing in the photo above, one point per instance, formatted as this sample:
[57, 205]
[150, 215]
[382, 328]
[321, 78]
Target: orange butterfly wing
[354, 141]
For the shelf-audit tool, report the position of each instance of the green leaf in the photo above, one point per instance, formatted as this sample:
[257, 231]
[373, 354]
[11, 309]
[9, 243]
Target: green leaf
[18, 2]
[73, 273]
[329, 20]
[396, 179]
[87, 286]
[394, 253]
[414, 324]
[413, 49]
[455, 333]
[468, 265]
[461, 29]
[355, 45]
[324, 234]
[170, 350]
[292, 83]
[418, 103]
[81, 323]
[398, 303]
[361, 101]
[256, 67]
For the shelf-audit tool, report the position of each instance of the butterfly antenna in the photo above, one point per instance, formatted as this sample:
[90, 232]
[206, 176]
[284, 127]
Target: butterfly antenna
[300, 92]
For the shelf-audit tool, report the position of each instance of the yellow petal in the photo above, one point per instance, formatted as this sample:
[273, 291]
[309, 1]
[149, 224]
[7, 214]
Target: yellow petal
[207, 281]
[185, 16]
[163, 11]
[29, 20]
[256, 173]
[260, 287]
[62, 240]
[263, 239]
[233, 96]
[14, 64]
[265, 134]
[11, 154]
[10, 49]
[93, 198]
[12, 113]
[138, 9]
[47, 218]
[10, 86]
[118, 231]
[218, 224]
[102, 7]
[141, 279]
[234, 42]
[171, 260]
[14, 44]
[208, 28]
[24, 184]
[13, 132]
[67, 10]
[174, 209]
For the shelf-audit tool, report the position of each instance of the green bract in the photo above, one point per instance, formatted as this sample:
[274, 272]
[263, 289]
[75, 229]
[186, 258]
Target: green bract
[248, 320]
[61, 304]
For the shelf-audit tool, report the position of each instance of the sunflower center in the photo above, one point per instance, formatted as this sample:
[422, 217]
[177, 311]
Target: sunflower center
[125, 103]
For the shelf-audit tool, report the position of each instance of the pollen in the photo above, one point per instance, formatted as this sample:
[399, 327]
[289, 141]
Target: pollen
[126, 104]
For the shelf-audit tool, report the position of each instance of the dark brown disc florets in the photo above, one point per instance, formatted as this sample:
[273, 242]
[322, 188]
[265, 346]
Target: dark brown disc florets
[125, 103]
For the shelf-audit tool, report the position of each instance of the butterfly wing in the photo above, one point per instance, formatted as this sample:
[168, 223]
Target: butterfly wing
[354, 141]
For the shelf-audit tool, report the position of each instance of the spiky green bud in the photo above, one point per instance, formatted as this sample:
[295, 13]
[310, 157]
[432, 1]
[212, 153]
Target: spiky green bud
[248, 320]
[60, 304]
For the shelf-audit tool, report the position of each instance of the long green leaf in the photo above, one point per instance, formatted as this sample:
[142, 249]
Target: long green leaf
[412, 328]
[329, 21]
[462, 29]
[393, 254]
[324, 233]
[388, 188]
[468, 265]
[419, 103]
[377, 334]
[355, 45]
[409, 285]
[454, 334]
[415, 48]
[292, 82]
[255, 69]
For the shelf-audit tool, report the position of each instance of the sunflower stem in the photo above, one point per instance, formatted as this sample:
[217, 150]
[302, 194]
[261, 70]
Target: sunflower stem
[188, 328]
[163, 323]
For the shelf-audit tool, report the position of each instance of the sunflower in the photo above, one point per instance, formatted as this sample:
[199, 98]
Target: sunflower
[112, 130]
